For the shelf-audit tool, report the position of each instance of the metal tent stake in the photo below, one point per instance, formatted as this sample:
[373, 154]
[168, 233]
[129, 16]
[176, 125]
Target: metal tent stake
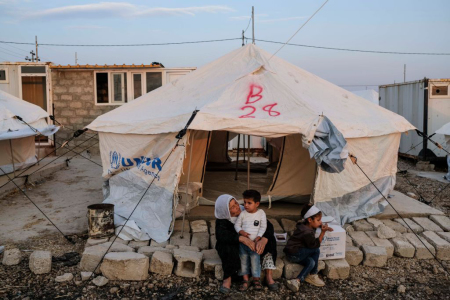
[187, 185]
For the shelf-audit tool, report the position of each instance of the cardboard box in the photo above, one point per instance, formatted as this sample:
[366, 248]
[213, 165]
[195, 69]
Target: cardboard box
[333, 243]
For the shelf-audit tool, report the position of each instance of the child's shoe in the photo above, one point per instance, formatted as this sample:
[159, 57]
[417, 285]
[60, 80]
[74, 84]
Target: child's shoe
[314, 280]
[293, 284]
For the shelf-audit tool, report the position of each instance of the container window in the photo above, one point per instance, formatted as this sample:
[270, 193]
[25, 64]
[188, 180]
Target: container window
[154, 80]
[33, 69]
[439, 90]
[102, 87]
[3, 75]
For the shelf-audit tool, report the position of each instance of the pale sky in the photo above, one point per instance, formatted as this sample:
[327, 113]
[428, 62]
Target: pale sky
[385, 25]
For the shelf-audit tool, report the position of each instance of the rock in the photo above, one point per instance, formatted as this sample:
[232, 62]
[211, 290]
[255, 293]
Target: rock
[125, 266]
[12, 257]
[360, 238]
[442, 247]
[156, 244]
[65, 277]
[200, 240]
[100, 281]
[40, 262]
[179, 225]
[162, 263]
[321, 265]
[199, 226]
[374, 222]
[386, 244]
[210, 260]
[408, 223]
[441, 221]
[348, 227]
[385, 232]
[85, 276]
[189, 248]
[114, 290]
[394, 225]
[403, 248]
[118, 240]
[212, 241]
[427, 224]
[280, 252]
[401, 288]
[412, 195]
[212, 227]
[149, 250]
[291, 270]
[91, 258]
[444, 235]
[92, 242]
[276, 226]
[137, 244]
[422, 252]
[278, 272]
[288, 225]
[188, 263]
[218, 272]
[363, 225]
[337, 269]
[374, 256]
[353, 255]
[177, 240]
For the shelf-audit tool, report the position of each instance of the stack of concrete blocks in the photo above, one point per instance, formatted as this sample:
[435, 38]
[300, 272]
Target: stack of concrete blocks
[200, 234]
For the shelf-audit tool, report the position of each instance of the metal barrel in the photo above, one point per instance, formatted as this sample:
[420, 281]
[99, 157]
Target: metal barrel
[101, 220]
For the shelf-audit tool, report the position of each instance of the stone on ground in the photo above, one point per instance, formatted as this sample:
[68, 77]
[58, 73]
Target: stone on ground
[212, 241]
[116, 247]
[40, 262]
[85, 276]
[189, 263]
[444, 235]
[321, 265]
[402, 247]
[288, 225]
[394, 225]
[210, 260]
[179, 224]
[336, 269]
[362, 225]
[374, 256]
[374, 222]
[385, 232]
[93, 242]
[360, 238]
[118, 240]
[276, 226]
[212, 227]
[414, 226]
[386, 244]
[189, 248]
[92, 255]
[442, 246]
[291, 270]
[427, 224]
[125, 266]
[156, 244]
[199, 226]
[200, 240]
[218, 272]
[150, 250]
[353, 255]
[442, 221]
[176, 239]
[421, 250]
[162, 263]
[137, 244]
[100, 281]
[12, 257]
[64, 278]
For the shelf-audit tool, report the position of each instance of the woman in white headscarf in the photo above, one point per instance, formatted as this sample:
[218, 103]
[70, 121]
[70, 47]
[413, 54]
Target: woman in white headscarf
[226, 212]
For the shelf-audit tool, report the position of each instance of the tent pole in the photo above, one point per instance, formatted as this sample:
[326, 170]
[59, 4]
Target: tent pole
[237, 158]
[248, 162]
[39, 148]
[187, 185]
[243, 148]
[12, 158]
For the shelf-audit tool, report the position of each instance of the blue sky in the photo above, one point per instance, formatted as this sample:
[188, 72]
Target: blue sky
[394, 25]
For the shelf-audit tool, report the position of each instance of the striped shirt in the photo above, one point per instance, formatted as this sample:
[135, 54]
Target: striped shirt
[254, 224]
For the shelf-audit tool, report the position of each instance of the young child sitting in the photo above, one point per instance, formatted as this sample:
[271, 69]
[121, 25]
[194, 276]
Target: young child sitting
[303, 247]
[251, 223]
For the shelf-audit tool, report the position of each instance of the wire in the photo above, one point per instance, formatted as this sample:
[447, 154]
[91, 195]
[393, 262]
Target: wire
[11, 54]
[121, 45]
[300, 28]
[249, 21]
[354, 50]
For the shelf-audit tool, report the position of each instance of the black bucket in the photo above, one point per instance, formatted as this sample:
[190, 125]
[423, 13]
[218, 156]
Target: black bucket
[101, 220]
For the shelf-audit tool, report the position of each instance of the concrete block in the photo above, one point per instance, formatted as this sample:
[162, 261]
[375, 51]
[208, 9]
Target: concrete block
[212, 227]
[422, 251]
[278, 272]
[137, 244]
[442, 221]
[362, 225]
[210, 260]
[179, 224]
[291, 270]
[173, 247]
[116, 247]
[348, 227]
[386, 244]
[156, 244]
[162, 263]
[12, 257]
[385, 232]
[200, 240]
[360, 238]
[118, 240]
[337, 269]
[374, 222]
[125, 266]
[40, 262]
[427, 224]
[189, 248]
[394, 225]
[288, 225]
[92, 255]
[280, 252]
[276, 226]
[374, 256]
[353, 255]
[189, 263]
[407, 223]
[150, 250]
[64, 278]
[212, 241]
[402, 247]
[176, 239]
[442, 246]
[444, 235]
[92, 242]
[218, 272]
[199, 226]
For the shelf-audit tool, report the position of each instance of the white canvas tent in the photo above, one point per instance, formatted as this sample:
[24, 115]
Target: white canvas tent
[246, 92]
[370, 95]
[17, 139]
[445, 130]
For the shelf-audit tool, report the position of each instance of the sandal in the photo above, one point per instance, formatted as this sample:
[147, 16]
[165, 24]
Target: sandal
[273, 286]
[224, 290]
[244, 286]
[257, 284]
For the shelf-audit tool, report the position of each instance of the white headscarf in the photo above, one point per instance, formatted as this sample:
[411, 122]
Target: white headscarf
[222, 208]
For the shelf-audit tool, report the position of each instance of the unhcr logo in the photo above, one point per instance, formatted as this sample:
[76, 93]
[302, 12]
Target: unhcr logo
[117, 161]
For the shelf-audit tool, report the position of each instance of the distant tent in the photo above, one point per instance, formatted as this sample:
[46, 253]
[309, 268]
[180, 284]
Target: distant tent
[370, 95]
[246, 92]
[445, 130]
[17, 139]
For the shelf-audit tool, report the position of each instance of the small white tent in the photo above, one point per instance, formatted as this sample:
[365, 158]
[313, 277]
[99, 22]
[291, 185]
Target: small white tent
[445, 130]
[248, 92]
[17, 139]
